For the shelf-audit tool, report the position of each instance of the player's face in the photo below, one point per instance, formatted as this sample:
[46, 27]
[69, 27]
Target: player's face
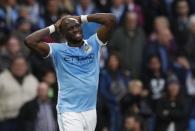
[73, 31]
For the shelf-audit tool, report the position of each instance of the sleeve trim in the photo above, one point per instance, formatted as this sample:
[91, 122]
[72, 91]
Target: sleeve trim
[99, 41]
[50, 52]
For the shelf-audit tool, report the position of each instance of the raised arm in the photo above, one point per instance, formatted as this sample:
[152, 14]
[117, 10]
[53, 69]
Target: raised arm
[107, 21]
[34, 40]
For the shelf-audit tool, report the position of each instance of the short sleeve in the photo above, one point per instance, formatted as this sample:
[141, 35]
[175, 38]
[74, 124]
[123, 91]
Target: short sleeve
[51, 49]
[94, 39]
[99, 41]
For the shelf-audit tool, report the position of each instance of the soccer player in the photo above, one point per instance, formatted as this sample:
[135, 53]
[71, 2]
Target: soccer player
[76, 64]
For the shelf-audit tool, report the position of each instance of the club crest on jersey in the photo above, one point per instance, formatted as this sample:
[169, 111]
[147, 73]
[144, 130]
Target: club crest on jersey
[87, 48]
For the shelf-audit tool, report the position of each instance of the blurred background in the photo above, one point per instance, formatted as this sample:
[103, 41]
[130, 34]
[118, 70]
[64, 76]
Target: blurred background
[147, 79]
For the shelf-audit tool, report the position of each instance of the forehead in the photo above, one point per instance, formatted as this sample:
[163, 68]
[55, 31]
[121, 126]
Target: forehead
[70, 22]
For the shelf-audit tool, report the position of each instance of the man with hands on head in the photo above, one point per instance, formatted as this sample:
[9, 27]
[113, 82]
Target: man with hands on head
[76, 63]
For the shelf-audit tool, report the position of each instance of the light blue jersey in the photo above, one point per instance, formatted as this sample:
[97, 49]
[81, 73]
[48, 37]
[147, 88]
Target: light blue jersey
[77, 70]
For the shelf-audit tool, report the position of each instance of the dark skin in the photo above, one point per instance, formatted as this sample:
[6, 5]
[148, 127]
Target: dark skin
[70, 27]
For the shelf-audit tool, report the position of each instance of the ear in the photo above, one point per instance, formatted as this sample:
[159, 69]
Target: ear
[62, 26]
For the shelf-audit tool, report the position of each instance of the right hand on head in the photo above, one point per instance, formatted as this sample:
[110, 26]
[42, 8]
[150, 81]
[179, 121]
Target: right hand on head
[58, 23]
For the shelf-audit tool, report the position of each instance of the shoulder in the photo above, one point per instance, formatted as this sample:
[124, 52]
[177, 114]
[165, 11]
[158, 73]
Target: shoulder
[32, 79]
[56, 45]
[5, 74]
[95, 40]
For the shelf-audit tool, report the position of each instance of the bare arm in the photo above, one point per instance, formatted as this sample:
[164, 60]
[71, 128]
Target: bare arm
[35, 43]
[107, 21]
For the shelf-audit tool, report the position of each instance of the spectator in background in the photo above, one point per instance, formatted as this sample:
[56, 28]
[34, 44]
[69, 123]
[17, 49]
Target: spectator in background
[22, 30]
[33, 10]
[190, 45]
[154, 78]
[38, 114]
[86, 7]
[103, 5]
[17, 86]
[67, 6]
[181, 68]
[50, 78]
[118, 9]
[136, 102]
[8, 12]
[192, 5]
[171, 110]
[25, 13]
[167, 8]
[151, 11]
[113, 88]
[133, 7]
[190, 83]
[164, 46]
[166, 38]
[3, 40]
[52, 12]
[129, 41]
[132, 123]
[180, 23]
[12, 49]
[160, 23]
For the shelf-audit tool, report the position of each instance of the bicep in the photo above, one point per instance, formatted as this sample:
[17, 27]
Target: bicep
[103, 33]
[42, 49]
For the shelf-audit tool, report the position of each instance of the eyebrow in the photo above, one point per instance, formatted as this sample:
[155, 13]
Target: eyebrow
[72, 25]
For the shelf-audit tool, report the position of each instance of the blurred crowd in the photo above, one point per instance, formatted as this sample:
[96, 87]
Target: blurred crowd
[147, 78]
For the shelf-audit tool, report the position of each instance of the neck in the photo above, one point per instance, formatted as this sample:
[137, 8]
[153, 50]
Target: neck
[75, 44]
